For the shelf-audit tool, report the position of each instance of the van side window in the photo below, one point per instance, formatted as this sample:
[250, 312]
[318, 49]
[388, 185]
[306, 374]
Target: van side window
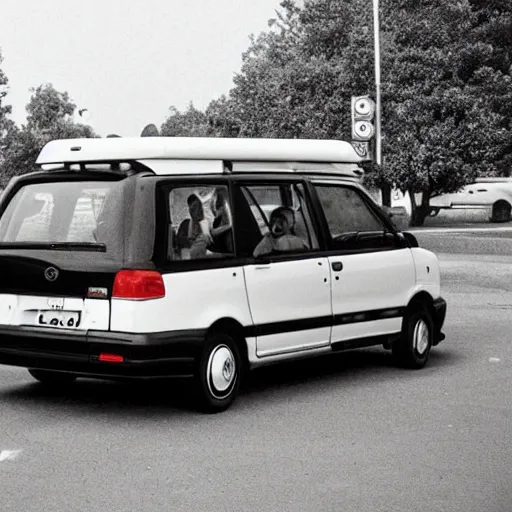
[351, 222]
[201, 223]
[282, 217]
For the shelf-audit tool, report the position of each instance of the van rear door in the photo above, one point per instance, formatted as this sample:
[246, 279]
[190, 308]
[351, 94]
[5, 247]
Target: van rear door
[61, 244]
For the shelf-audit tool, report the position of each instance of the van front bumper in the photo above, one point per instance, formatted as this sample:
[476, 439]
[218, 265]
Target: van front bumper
[145, 356]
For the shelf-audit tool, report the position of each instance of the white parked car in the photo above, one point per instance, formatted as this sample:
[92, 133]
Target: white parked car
[204, 258]
[492, 194]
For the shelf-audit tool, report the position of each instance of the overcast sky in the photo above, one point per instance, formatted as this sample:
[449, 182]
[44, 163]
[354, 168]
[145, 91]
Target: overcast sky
[127, 61]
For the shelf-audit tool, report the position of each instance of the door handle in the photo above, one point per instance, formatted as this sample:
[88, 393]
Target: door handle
[262, 267]
[337, 266]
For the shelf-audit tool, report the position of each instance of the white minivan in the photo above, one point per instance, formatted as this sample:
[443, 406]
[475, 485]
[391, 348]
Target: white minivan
[163, 257]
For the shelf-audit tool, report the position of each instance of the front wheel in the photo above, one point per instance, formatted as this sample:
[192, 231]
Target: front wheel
[412, 349]
[219, 374]
[52, 378]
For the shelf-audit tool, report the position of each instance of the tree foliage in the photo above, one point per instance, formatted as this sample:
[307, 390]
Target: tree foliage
[446, 87]
[49, 117]
[190, 123]
[6, 124]
[446, 91]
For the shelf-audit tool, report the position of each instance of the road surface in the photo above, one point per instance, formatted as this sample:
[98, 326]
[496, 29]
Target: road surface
[344, 433]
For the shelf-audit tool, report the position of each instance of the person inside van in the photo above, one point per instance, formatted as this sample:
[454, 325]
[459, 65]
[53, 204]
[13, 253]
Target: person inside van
[281, 236]
[198, 229]
[221, 230]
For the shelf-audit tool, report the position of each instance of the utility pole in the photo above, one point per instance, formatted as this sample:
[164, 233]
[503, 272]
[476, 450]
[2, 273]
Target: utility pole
[378, 107]
[386, 191]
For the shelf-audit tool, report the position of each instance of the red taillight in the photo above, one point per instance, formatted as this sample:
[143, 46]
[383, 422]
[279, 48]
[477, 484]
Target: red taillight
[111, 358]
[138, 284]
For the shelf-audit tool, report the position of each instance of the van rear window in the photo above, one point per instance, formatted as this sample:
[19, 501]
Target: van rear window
[73, 214]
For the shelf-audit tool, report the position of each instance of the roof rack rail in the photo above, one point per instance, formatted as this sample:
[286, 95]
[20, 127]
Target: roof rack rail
[117, 167]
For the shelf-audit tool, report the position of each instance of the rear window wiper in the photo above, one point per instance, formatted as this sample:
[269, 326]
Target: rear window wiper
[56, 246]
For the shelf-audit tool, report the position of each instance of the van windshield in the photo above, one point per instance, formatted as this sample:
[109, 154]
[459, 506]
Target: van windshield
[71, 215]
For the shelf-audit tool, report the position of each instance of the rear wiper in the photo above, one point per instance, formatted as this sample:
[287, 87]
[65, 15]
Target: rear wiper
[56, 246]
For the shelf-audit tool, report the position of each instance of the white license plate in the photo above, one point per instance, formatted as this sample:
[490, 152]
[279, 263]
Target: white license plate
[63, 319]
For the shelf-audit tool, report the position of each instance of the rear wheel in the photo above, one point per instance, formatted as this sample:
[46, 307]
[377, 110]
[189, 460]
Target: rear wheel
[501, 211]
[219, 373]
[412, 349]
[52, 378]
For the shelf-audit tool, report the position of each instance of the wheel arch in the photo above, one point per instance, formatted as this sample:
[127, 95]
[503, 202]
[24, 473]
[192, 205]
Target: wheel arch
[424, 298]
[500, 202]
[235, 329]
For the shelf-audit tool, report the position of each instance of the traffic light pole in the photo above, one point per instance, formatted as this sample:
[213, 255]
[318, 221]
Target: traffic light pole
[386, 191]
[378, 150]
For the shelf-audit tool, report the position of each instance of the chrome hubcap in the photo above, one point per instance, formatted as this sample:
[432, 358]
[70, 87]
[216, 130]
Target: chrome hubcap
[421, 337]
[221, 370]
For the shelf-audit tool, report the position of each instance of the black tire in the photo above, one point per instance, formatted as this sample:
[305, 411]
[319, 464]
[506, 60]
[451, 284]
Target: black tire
[50, 378]
[219, 374]
[412, 349]
[501, 211]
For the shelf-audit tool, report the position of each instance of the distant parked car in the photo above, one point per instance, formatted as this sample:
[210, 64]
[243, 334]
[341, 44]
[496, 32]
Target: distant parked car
[493, 194]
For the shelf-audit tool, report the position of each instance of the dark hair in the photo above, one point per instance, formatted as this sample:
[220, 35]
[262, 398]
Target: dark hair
[195, 207]
[283, 213]
[221, 197]
[280, 212]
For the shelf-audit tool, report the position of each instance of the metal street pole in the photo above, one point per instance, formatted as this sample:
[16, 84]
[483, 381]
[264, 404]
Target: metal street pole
[376, 38]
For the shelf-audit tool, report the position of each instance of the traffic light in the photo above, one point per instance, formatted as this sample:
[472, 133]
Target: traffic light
[363, 113]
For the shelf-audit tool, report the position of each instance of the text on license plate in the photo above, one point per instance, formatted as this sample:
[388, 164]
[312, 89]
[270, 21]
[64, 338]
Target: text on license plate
[68, 319]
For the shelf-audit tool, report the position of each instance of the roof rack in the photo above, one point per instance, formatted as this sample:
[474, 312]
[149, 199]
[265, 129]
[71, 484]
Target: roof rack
[197, 148]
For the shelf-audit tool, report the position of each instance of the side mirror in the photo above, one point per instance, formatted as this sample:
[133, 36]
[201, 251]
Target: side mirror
[398, 216]
[411, 239]
[394, 211]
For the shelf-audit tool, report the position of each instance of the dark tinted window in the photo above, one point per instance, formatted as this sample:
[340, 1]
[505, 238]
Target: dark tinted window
[351, 222]
[346, 211]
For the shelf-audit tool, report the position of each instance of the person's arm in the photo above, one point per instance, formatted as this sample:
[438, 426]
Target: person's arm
[220, 230]
[205, 230]
[264, 247]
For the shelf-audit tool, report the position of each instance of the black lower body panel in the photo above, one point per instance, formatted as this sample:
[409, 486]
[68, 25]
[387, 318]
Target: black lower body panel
[439, 306]
[149, 355]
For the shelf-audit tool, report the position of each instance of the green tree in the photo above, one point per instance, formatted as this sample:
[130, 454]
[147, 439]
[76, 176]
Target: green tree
[491, 55]
[189, 123]
[49, 117]
[446, 94]
[222, 118]
[440, 127]
[292, 83]
[6, 124]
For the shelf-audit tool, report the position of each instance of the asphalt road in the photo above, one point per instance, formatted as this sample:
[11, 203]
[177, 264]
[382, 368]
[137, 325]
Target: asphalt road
[345, 433]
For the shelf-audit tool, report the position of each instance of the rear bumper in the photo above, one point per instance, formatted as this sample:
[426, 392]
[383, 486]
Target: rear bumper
[149, 355]
[439, 317]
